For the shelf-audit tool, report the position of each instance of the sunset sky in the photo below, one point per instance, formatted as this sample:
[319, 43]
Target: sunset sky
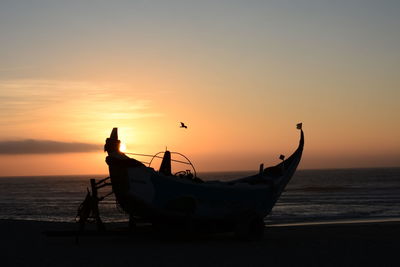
[240, 74]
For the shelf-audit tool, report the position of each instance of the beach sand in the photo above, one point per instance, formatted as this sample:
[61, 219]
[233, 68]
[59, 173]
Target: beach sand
[347, 244]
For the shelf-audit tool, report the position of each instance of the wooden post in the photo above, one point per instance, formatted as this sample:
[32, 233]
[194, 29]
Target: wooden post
[95, 206]
[93, 186]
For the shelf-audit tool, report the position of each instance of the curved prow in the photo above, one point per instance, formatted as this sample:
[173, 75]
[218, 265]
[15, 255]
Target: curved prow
[288, 168]
[290, 164]
[294, 160]
[279, 174]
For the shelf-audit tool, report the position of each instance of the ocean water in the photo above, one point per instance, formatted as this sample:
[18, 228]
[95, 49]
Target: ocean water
[312, 195]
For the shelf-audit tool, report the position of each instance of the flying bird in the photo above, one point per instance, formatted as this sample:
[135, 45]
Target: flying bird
[183, 125]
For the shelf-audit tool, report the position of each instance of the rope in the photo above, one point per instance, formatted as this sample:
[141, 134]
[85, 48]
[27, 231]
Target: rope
[156, 156]
[138, 154]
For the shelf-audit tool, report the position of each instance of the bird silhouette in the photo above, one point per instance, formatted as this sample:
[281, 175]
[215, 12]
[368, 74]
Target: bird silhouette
[183, 125]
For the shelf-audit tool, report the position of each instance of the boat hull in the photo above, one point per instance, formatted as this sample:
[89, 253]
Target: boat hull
[143, 192]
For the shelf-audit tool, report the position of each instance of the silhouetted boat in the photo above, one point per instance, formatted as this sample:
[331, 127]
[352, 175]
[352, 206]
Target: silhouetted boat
[183, 201]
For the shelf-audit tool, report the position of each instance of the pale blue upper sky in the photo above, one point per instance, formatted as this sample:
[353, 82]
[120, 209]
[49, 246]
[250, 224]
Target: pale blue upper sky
[37, 35]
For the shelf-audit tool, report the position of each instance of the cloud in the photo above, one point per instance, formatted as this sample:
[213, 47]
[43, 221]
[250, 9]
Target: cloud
[52, 101]
[31, 146]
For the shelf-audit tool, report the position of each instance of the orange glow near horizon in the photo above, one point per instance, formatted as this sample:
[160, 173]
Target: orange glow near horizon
[216, 139]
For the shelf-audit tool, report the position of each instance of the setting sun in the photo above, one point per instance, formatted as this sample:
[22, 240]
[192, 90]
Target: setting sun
[122, 147]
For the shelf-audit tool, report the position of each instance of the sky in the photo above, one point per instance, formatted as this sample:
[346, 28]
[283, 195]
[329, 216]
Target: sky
[240, 74]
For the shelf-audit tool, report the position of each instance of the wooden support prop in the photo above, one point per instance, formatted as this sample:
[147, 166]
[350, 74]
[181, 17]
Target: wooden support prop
[93, 186]
[95, 206]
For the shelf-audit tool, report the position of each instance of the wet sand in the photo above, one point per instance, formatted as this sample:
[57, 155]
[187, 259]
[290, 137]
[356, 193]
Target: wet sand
[346, 244]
